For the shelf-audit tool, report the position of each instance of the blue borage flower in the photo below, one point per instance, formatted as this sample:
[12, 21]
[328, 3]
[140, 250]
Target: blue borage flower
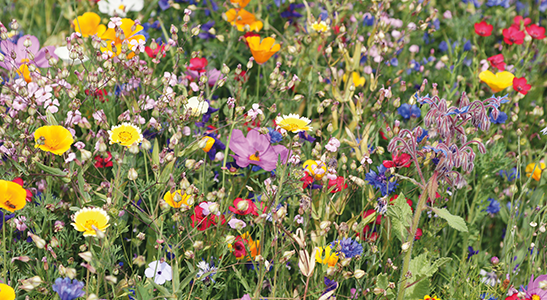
[381, 181]
[511, 175]
[348, 246]
[408, 111]
[331, 285]
[68, 289]
[493, 207]
[471, 252]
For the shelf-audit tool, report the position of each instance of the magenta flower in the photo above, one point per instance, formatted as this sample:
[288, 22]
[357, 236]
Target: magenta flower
[256, 149]
[534, 288]
[25, 55]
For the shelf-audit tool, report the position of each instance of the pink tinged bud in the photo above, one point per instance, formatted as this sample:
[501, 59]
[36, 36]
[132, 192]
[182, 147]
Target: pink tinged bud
[242, 205]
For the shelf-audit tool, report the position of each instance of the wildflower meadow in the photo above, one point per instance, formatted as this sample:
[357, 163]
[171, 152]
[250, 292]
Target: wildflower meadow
[273, 149]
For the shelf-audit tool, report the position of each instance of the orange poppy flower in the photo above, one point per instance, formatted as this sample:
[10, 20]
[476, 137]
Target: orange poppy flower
[242, 18]
[54, 138]
[240, 3]
[262, 51]
[89, 24]
[129, 29]
[12, 196]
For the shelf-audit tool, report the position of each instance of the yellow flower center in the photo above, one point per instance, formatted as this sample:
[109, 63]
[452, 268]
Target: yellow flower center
[125, 136]
[121, 7]
[536, 297]
[25, 60]
[90, 223]
[254, 157]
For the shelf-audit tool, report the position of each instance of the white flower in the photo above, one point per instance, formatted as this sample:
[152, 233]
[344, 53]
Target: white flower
[198, 107]
[115, 21]
[71, 157]
[205, 268]
[544, 131]
[51, 105]
[119, 7]
[333, 144]
[160, 271]
[64, 54]
[366, 160]
[137, 44]
[237, 224]
[254, 112]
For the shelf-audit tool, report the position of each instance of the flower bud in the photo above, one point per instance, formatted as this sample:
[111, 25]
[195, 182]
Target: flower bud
[132, 174]
[359, 273]
[87, 256]
[189, 254]
[198, 245]
[242, 205]
[230, 239]
[85, 155]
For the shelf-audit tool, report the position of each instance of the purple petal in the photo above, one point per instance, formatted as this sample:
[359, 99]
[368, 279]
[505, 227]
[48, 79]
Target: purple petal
[260, 142]
[242, 162]
[240, 145]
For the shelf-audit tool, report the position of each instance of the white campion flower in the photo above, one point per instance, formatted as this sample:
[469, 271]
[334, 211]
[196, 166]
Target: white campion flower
[137, 44]
[64, 54]
[544, 131]
[119, 7]
[198, 107]
[255, 111]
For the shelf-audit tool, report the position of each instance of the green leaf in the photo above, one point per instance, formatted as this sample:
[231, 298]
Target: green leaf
[381, 281]
[51, 170]
[156, 153]
[455, 222]
[50, 119]
[401, 215]
[418, 290]
[243, 281]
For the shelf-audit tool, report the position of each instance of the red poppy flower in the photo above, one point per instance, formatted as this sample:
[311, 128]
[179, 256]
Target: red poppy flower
[521, 85]
[103, 162]
[536, 32]
[152, 53]
[418, 234]
[383, 135]
[21, 182]
[308, 180]
[198, 64]
[483, 28]
[338, 183]
[239, 249]
[203, 221]
[243, 207]
[513, 36]
[399, 161]
[369, 212]
[497, 61]
[99, 93]
[518, 19]
[243, 77]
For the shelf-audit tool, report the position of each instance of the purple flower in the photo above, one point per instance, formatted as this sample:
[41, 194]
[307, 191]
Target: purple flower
[213, 75]
[256, 149]
[23, 55]
[534, 288]
[331, 286]
[68, 289]
[204, 33]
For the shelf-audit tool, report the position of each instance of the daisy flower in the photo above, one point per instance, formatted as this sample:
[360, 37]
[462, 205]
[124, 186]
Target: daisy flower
[293, 123]
[125, 134]
[88, 220]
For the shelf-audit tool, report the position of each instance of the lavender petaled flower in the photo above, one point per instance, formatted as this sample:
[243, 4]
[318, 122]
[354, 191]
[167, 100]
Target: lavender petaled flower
[408, 111]
[68, 289]
[535, 288]
[331, 286]
[204, 34]
[256, 149]
[23, 54]
[381, 181]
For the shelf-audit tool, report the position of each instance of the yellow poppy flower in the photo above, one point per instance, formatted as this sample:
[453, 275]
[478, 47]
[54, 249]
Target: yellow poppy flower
[254, 246]
[88, 219]
[209, 142]
[125, 134]
[326, 255]
[262, 51]
[25, 72]
[6, 292]
[176, 199]
[497, 82]
[315, 169]
[537, 172]
[240, 3]
[427, 297]
[356, 78]
[53, 138]
[89, 24]
[241, 18]
[129, 29]
[293, 123]
[12, 196]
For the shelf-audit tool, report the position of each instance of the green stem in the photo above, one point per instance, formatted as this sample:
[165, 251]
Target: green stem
[4, 271]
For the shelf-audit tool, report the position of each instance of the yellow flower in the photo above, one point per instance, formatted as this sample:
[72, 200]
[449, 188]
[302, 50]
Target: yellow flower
[88, 219]
[240, 3]
[89, 24]
[325, 255]
[498, 82]
[129, 29]
[254, 246]
[357, 79]
[53, 138]
[125, 134]
[176, 199]
[293, 123]
[208, 144]
[241, 18]
[12, 196]
[537, 172]
[6, 292]
[320, 26]
[427, 297]
[315, 169]
[262, 51]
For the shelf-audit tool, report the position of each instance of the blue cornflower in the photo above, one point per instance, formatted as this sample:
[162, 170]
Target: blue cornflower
[543, 5]
[291, 12]
[423, 136]
[443, 46]
[494, 206]
[204, 33]
[487, 297]
[475, 2]
[164, 4]
[394, 62]
[502, 3]
[68, 289]
[471, 252]
[502, 117]
[368, 19]
[407, 111]
[467, 46]
[305, 136]
[349, 247]
[381, 181]
[275, 137]
[331, 286]
[511, 175]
